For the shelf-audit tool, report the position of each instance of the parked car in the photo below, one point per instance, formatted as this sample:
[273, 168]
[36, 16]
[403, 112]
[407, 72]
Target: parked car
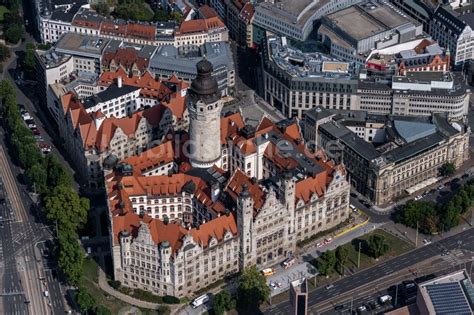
[426, 241]
[418, 198]
[329, 286]
[44, 147]
[339, 307]
[385, 299]
[26, 116]
[39, 138]
[30, 123]
[441, 187]
[268, 272]
[362, 308]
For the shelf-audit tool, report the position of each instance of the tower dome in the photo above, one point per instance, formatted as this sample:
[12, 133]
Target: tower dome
[204, 87]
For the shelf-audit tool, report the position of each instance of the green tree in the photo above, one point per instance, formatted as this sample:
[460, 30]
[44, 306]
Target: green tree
[29, 61]
[37, 177]
[447, 169]
[6, 88]
[160, 15]
[57, 175]
[342, 253]
[102, 310]
[253, 289]
[4, 53]
[133, 10]
[176, 16]
[102, 8]
[85, 301]
[223, 302]
[65, 207]
[71, 256]
[14, 33]
[377, 246]
[326, 263]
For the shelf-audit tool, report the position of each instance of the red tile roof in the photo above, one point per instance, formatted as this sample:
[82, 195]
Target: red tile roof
[235, 185]
[200, 25]
[207, 12]
[126, 57]
[151, 158]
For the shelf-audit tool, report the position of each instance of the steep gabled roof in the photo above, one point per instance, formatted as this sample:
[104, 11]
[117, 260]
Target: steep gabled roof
[235, 185]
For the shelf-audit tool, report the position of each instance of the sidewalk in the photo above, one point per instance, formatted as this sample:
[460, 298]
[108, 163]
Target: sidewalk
[103, 285]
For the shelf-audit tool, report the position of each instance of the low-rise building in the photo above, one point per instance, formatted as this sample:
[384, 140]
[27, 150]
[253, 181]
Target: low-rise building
[388, 156]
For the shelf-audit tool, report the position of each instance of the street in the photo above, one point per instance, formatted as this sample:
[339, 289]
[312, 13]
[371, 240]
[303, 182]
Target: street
[19, 257]
[464, 240]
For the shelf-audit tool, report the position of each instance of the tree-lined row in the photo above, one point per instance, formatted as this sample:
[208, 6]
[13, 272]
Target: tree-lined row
[431, 218]
[62, 206]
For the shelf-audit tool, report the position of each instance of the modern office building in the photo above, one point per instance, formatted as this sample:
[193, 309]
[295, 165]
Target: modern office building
[295, 19]
[388, 156]
[352, 33]
[295, 82]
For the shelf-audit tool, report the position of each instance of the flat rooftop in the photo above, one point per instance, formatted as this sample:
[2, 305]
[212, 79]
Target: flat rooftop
[73, 42]
[292, 10]
[368, 19]
[449, 294]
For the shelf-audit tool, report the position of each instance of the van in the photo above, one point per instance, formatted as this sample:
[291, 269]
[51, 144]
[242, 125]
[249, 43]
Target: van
[289, 262]
[200, 301]
[268, 272]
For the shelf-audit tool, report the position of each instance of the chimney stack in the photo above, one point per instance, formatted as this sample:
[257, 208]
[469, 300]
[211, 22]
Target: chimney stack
[119, 82]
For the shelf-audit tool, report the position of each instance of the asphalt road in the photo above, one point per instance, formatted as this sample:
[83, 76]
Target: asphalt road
[26, 230]
[381, 270]
[13, 298]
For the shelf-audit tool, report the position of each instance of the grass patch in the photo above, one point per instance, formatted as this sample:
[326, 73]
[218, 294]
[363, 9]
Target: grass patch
[89, 282]
[3, 11]
[397, 246]
[91, 271]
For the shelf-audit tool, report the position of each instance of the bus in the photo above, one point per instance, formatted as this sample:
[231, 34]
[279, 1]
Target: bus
[289, 262]
[200, 301]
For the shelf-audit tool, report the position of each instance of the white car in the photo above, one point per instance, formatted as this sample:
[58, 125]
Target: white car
[418, 197]
[426, 242]
[385, 299]
[362, 308]
[26, 116]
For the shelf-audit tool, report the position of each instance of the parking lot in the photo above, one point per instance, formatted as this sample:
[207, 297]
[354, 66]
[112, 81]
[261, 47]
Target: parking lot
[280, 281]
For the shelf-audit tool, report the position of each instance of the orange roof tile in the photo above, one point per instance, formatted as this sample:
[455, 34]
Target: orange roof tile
[207, 12]
[149, 159]
[230, 126]
[150, 87]
[177, 105]
[234, 188]
[305, 188]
